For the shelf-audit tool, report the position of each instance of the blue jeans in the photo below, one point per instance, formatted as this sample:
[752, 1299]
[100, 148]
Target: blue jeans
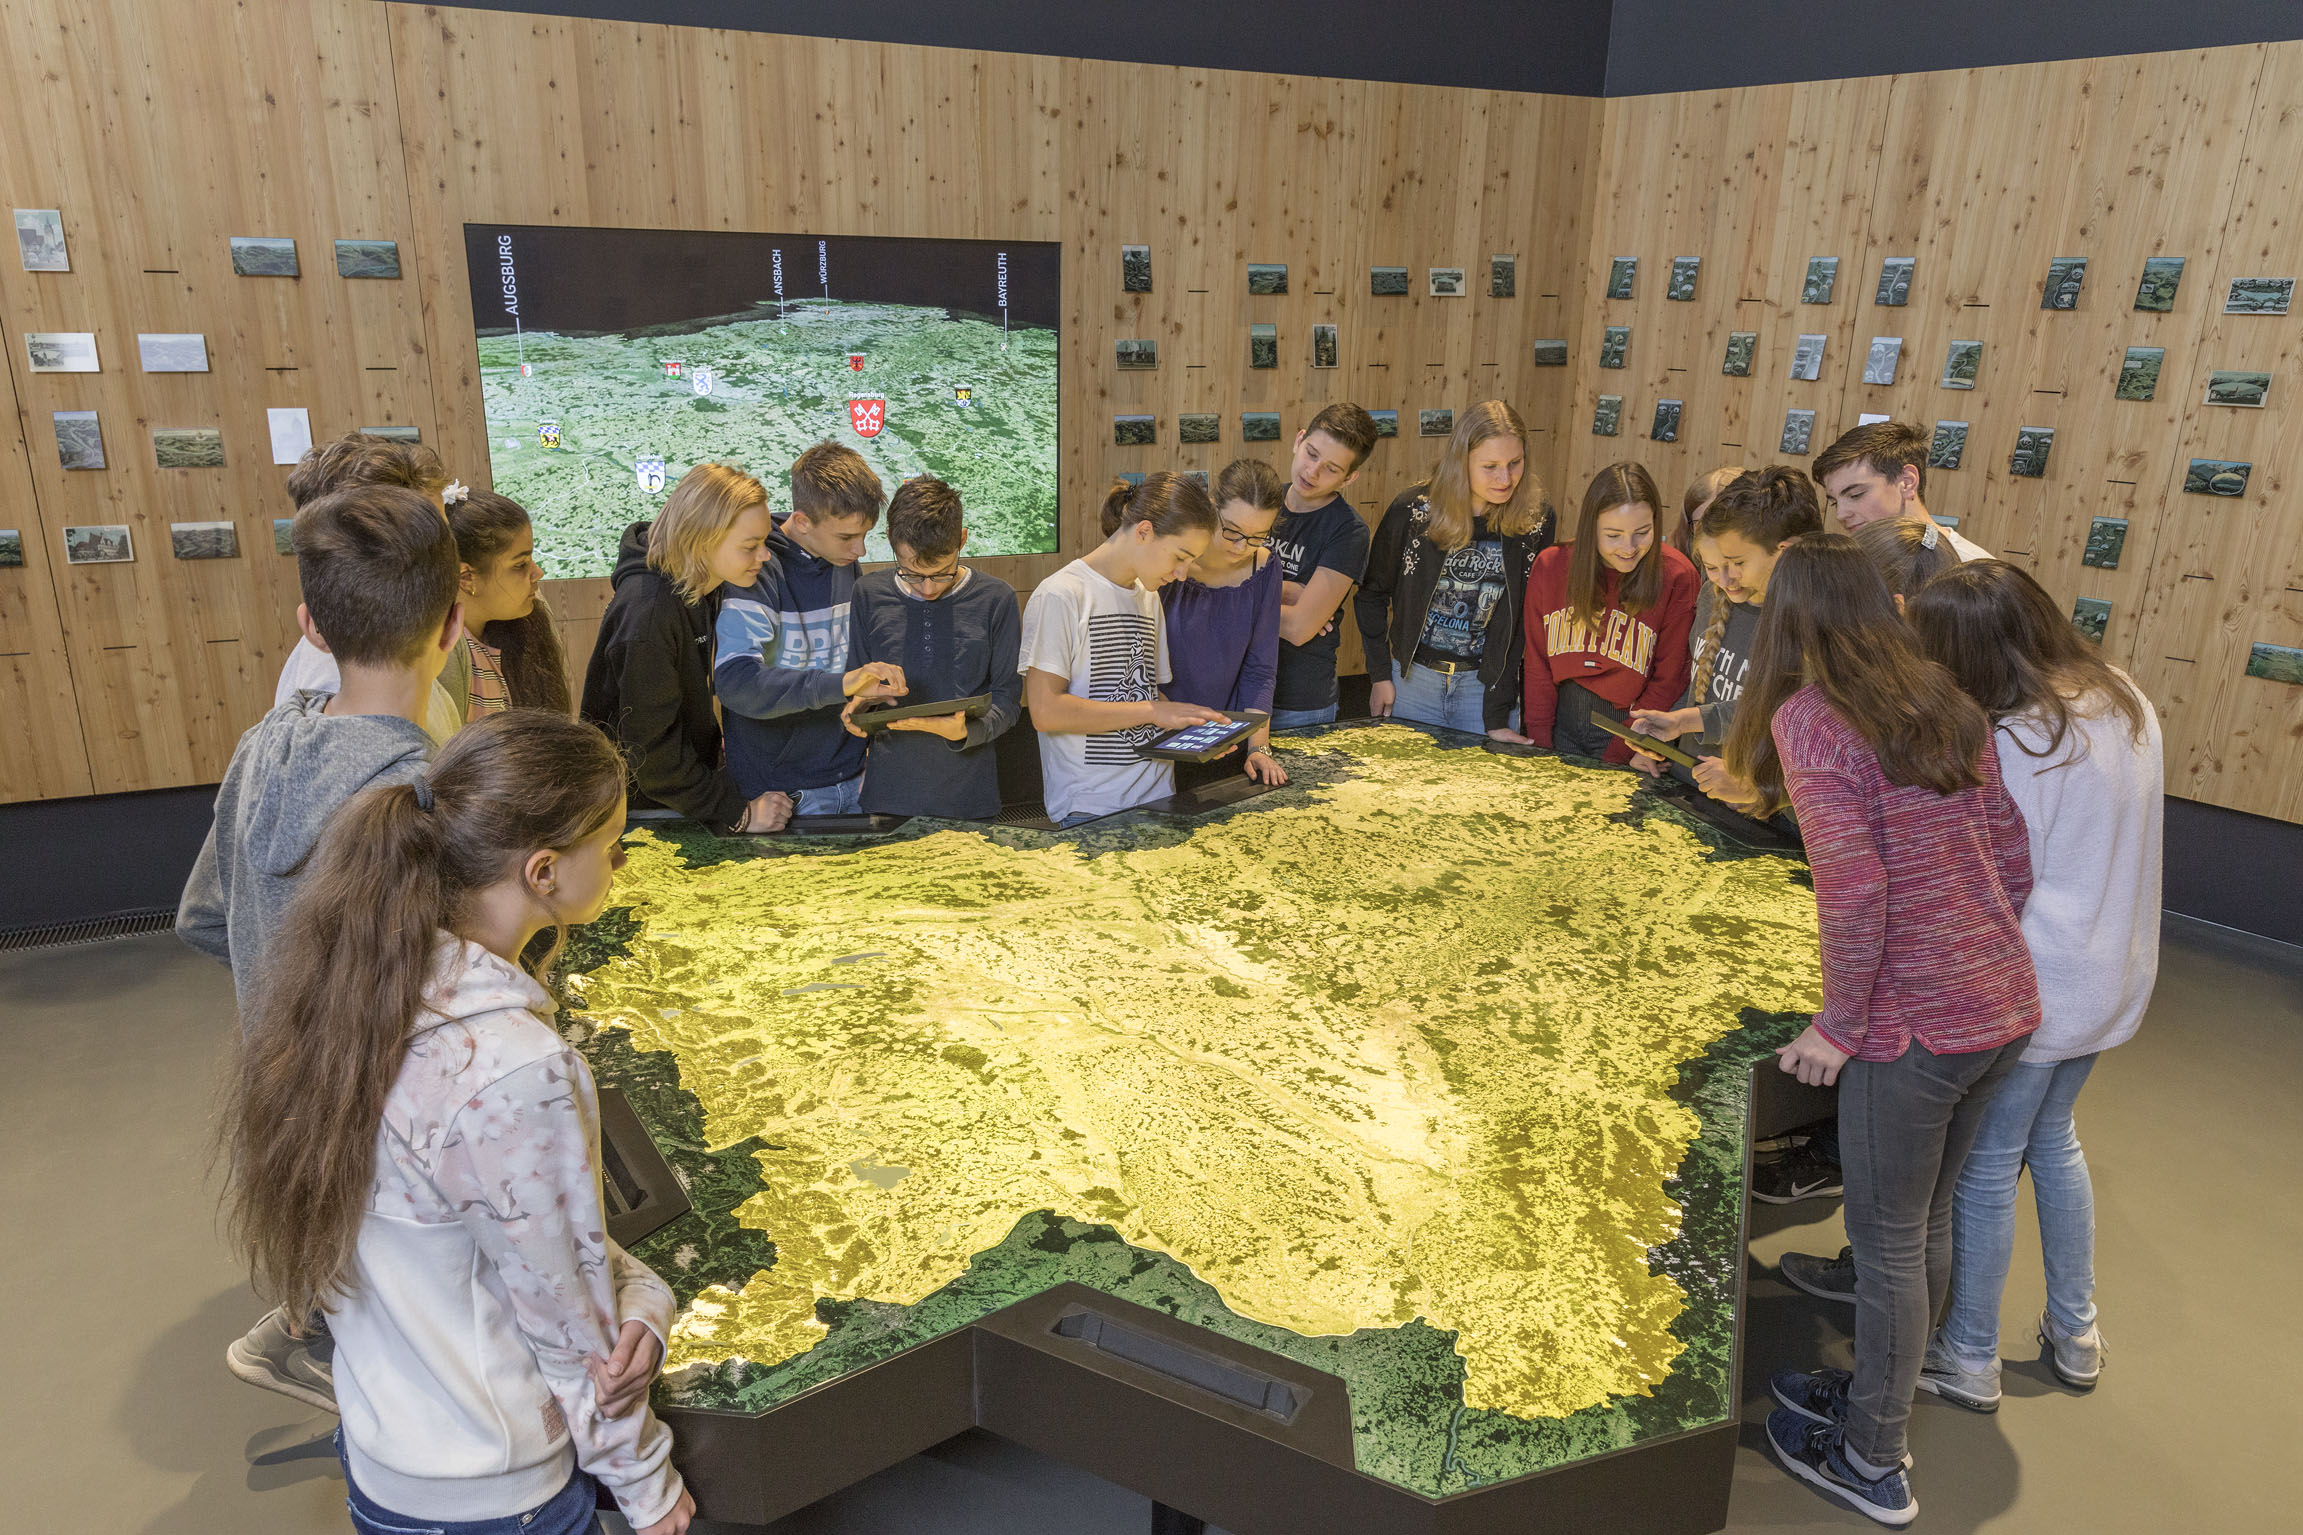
[573, 1510]
[832, 799]
[2029, 1124]
[1289, 719]
[1451, 700]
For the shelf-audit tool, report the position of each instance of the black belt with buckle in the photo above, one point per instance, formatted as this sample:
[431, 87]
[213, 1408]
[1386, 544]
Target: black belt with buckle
[1446, 665]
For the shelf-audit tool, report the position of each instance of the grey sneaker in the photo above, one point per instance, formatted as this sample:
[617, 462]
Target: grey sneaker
[1825, 1278]
[1976, 1390]
[276, 1359]
[2078, 1361]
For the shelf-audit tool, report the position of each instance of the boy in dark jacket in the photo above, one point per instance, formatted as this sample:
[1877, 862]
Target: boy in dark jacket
[954, 632]
[781, 663]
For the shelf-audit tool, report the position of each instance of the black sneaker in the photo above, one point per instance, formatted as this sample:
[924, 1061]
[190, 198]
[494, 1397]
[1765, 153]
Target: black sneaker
[1823, 1278]
[1796, 1175]
[1819, 1396]
[1815, 1454]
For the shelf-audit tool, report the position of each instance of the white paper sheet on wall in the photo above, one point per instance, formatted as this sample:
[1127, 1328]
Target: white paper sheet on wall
[291, 432]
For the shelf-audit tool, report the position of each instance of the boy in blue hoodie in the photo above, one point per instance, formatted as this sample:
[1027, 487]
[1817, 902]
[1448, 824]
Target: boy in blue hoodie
[780, 665]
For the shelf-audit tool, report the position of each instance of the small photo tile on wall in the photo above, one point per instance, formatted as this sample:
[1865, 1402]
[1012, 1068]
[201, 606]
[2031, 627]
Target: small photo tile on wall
[2091, 616]
[1742, 346]
[2106, 539]
[1387, 281]
[1447, 282]
[61, 351]
[2064, 276]
[79, 439]
[1895, 281]
[204, 540]
[2162, 275]
[264, 256]
[1134, 431]
[1948, 446]
[188, 447]
[1807, 358]
[290, 427]
[1135, 269]
[1199, 475]
[1680, 288]
[283, 535]
[1386, 422]
[1323, 346]
[2139, 373]
[1135, 354]
[2248, 390]
[2259, 295]
[1266, 278]
[1666, 425]
[1798, 433]
[1199, 427]
[40, 241]
[2216, 477]
[2032, 445]
[1607, 415]
[1614, 344]
[1131, 477]
[1263, 346]
[367, 258]
[399, 433]
[105, 543]
[1622, 272]
[1434, 423]
[2275, 663]
[1822, 277]
[1871, 418]
[1962, 365]
[1259, 426]
[1879, 363]
[1503, 277]
[172, 352]
[1550, 352]
[11, 547]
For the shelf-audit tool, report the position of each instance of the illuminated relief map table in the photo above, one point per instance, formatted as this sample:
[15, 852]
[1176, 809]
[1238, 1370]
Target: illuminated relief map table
[1368, 1156]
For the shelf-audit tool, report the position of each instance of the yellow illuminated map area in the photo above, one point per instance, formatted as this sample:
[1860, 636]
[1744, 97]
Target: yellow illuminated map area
[1397, 1053]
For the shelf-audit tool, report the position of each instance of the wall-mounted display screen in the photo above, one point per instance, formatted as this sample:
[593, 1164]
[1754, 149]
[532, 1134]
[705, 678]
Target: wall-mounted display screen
[614, 360]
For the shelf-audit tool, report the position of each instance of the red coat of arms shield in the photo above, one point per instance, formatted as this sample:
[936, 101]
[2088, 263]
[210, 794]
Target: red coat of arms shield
[868, 413]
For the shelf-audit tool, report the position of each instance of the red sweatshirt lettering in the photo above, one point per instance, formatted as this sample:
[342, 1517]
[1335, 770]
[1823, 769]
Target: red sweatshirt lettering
[1631, 660]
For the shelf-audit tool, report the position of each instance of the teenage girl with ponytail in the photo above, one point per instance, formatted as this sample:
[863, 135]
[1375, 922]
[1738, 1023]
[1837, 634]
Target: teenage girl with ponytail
[414, 1151]
[1095, 651]
[1921, 872]
[509, 635]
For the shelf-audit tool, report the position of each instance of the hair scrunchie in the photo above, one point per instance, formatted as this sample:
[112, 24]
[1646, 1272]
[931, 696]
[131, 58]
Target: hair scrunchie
[423, 790]
[455, 492]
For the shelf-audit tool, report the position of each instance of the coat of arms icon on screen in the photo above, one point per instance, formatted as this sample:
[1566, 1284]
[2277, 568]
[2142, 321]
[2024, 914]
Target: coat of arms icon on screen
[856, 362]
[700, 379]
[651, 473]
[868, 413]
[963, 394]
[673, 369]
[548, 434]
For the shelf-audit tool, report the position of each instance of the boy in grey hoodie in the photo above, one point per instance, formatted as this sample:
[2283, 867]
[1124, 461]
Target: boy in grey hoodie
[377, 564]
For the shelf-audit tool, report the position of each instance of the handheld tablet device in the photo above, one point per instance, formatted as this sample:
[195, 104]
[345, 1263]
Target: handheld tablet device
[1205, 743]
[873, 719]
[1647, 744]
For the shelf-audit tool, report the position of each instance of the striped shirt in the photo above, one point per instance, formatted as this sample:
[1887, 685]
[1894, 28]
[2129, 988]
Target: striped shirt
[490, 695]
[1919, 895]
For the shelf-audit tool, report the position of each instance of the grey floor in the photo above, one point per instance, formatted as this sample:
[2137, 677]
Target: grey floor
[118, 1416]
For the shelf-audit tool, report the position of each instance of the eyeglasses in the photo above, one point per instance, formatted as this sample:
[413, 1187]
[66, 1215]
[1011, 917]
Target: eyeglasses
[1234, 536]
[925, 578]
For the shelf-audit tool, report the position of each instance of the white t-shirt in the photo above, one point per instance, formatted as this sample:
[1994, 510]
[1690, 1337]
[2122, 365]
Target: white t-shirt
[310, 669]
[1966, 548]
[2094, 810]
[1110, 643]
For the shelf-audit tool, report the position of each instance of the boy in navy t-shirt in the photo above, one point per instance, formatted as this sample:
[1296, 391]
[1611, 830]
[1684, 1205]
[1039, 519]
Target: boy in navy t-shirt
[1322, 547]
[953, 632]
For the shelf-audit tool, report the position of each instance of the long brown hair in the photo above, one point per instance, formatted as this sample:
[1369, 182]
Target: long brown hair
[2015, 653]
[1700, 493]
[345, 977]
[535, 669]
[1908, 552]
[1828, 621]
[1616, 485]
[1766, 508]
[1171, 502]
[1449, 493]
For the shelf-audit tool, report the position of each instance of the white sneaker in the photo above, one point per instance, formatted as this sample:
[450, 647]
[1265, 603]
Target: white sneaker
[2078, 1361]
[276, 1359]
[1975, 1390]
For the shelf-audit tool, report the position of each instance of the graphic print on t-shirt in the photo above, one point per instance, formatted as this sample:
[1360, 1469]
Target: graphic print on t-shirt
[1123, 663]
[816, 640]
[1470, 585]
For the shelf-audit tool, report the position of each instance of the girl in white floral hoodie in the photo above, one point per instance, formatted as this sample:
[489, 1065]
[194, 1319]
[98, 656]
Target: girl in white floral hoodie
[415, 1151]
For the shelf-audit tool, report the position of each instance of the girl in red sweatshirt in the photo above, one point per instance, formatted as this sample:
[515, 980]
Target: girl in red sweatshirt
[1607, 619]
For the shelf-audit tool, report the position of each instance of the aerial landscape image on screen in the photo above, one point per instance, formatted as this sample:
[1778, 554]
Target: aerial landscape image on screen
[612, 361]
[1427, 1070]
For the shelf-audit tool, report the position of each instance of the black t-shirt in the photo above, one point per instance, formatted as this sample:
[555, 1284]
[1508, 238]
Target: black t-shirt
[1328, 537]
[1470, 585]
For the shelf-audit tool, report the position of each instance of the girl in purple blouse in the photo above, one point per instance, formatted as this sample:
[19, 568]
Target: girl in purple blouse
[1223, 617]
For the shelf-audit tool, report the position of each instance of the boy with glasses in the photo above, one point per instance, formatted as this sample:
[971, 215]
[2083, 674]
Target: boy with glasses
[955, 632]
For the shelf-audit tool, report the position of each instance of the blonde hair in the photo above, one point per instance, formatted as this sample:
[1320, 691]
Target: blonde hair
[1449, 492]
[1707, 652]
[1906, 551]
[696, 516]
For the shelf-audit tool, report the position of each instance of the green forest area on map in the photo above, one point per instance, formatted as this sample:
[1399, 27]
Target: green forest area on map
[777, 384]
[1428, 1070]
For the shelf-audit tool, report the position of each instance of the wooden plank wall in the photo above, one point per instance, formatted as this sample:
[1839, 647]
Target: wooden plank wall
[1984, 176]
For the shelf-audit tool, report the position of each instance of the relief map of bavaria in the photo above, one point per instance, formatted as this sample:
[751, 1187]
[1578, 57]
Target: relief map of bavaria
[1427, 1070]
[635, 355]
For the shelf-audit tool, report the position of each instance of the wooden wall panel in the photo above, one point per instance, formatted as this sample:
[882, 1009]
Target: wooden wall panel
[41, 753]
